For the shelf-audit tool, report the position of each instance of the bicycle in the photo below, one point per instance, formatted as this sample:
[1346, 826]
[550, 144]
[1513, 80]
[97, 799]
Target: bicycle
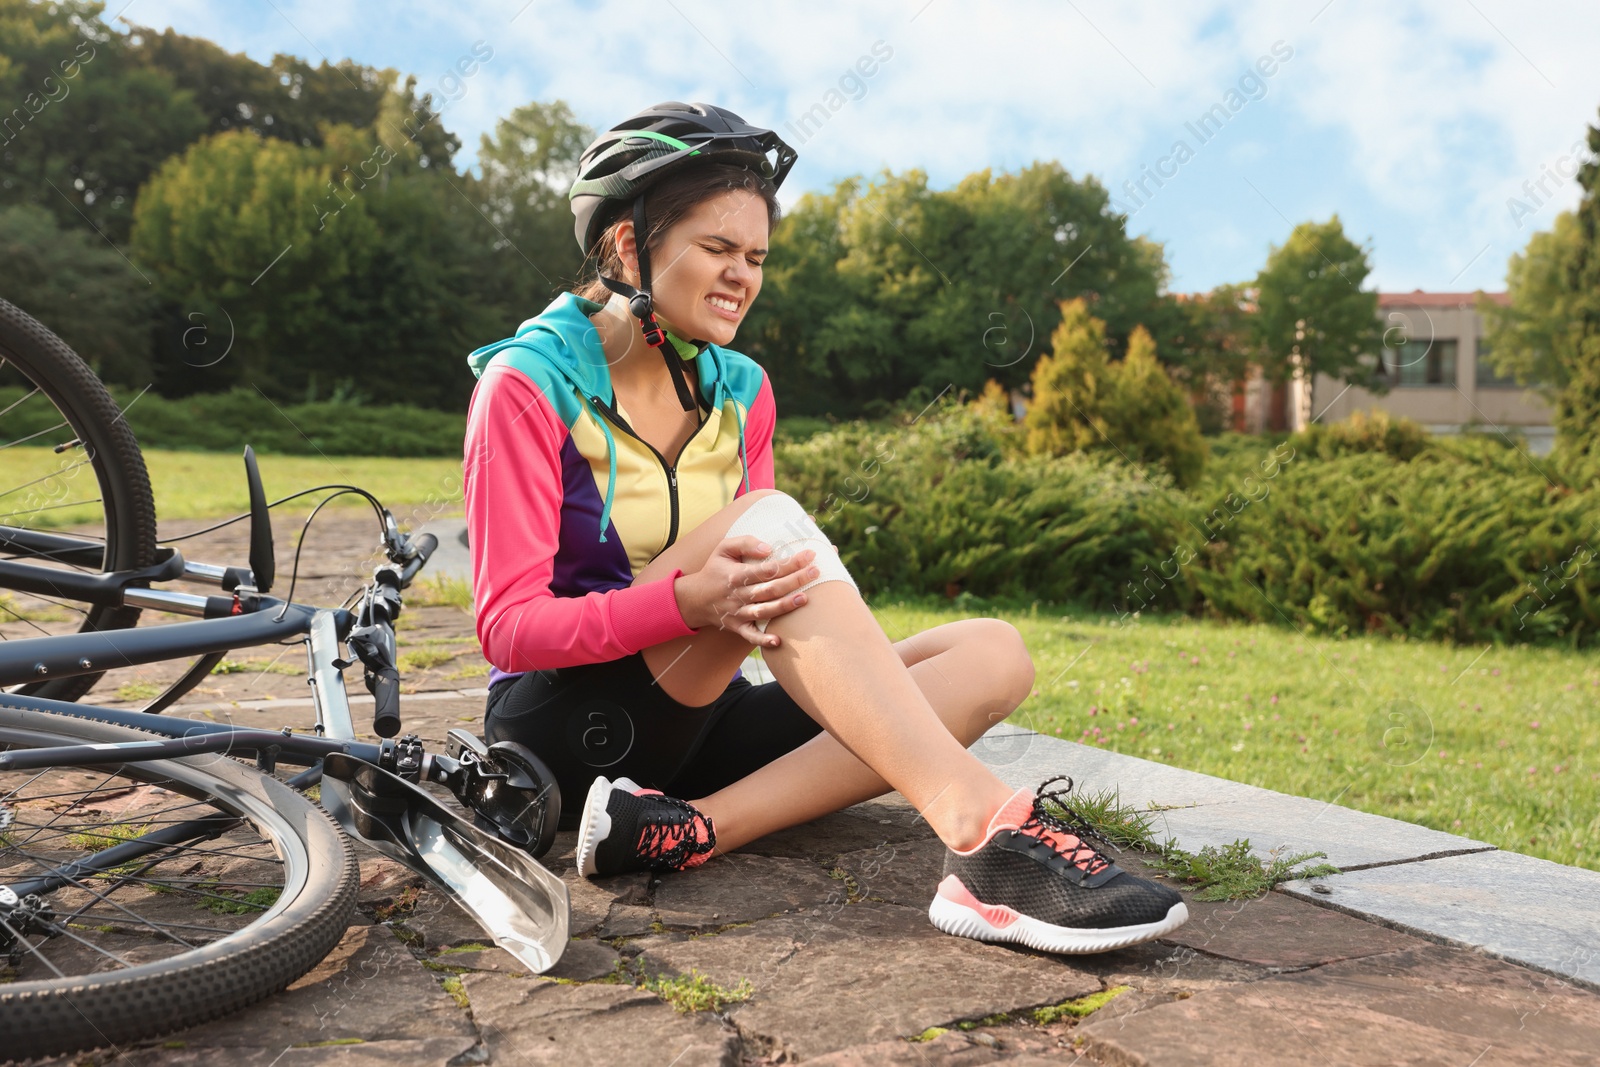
[150, 878]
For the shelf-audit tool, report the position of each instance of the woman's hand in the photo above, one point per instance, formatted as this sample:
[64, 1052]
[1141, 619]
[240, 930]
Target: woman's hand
[732, 594]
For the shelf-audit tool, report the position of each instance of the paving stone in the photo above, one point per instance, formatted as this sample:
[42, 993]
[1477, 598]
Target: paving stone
[441, 923]
[1223, 811]
[823, 839]
[1432, 1005]
[370, 987]
[593, 898]
[527, 1022]
[427, 1052]
[905, 873]
[1525, 909]
[628, 920]
[1277, 930]
[444, 1051]
[954, 1049]
[383, 879]
[874, 972]
[740, 888]
[584, 961]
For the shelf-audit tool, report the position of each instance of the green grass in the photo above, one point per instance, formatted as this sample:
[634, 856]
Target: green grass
[1493, 743]
[136, 691]
[197, 485]
[424, 658]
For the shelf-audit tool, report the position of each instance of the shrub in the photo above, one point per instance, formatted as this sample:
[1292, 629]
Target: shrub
[1365, 431]
[1083, 402]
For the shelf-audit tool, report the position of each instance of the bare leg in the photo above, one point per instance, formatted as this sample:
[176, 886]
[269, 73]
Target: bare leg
[973, 673]
[838, 664]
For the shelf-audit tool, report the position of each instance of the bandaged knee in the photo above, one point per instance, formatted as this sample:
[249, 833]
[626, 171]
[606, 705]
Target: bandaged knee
[780, 521]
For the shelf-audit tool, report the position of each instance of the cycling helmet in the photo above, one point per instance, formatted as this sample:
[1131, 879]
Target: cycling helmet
[639, 151]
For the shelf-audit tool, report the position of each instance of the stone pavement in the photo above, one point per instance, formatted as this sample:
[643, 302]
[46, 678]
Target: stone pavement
[1436, 950]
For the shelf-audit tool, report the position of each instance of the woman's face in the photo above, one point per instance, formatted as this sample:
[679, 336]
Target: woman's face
[707, 271]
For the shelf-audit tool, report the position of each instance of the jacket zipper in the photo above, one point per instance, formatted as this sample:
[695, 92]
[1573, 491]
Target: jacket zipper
[671, 469]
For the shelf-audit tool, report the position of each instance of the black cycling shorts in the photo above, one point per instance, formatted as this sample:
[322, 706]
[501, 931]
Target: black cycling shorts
[612, 719]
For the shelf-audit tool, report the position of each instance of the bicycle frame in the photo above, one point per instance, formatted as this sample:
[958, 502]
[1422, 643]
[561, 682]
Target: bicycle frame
[367, 787]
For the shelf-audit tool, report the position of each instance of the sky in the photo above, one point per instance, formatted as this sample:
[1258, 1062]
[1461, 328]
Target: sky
[1443, 133]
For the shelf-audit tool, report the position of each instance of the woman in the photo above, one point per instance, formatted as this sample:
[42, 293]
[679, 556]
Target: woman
[629, 549]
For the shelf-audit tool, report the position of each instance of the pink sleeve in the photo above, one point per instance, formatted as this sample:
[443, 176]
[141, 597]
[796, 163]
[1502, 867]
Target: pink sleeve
[759, 423]
[512, 470]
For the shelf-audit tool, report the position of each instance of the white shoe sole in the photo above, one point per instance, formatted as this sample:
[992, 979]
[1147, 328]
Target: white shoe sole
[594, 827]
[955, 918]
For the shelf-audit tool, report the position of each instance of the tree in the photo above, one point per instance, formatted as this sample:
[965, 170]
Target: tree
[1213, 346]
[528, 253]
[75, 284]
[1313, 315]
[1149, 417]
[1535, 335]
[1578, 406]
[290, 100]
[1070, 387]
[90, 124]
[886, 290]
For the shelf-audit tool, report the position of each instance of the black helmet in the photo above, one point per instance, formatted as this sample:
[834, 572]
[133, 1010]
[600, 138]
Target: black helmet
[639, 151]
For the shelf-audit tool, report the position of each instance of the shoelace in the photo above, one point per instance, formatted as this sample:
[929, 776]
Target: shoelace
[1048, 825]
[674, 841]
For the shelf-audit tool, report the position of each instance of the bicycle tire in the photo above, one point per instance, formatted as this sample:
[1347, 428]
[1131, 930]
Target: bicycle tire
[85, 405]
[59, 1015]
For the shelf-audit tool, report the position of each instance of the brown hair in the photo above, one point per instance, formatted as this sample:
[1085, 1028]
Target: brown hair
[666, 204]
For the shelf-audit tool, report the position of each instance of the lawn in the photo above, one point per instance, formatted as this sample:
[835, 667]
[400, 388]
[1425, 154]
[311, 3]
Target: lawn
[194, 485]
[1487, 742]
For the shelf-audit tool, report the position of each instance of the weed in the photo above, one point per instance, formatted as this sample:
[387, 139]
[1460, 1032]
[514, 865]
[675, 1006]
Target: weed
[440, 592]
[1233, 872]
[425, 658]
[135, 691]
[401, 906]
[255, 666]
[93, 839]
[224, 902]
[696, 992]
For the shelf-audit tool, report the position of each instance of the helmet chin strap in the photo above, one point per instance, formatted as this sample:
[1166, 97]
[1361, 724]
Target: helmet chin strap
[640, 306]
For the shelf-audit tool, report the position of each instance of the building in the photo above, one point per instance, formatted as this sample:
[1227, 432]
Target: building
[1433, 359]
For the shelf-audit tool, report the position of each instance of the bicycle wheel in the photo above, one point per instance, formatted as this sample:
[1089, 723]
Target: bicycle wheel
[185, 933]
[56, 419]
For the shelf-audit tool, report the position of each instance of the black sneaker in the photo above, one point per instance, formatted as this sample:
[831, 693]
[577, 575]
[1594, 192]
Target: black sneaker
[1036, 882]
[629, 828]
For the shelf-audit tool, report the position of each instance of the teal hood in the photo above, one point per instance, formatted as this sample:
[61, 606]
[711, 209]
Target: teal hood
[561, 346]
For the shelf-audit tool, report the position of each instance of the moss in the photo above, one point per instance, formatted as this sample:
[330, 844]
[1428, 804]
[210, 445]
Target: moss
[457, 991]
[333, 1041]
[696, 992]
[476, 946]
[931, 1033]
[1078, 1008]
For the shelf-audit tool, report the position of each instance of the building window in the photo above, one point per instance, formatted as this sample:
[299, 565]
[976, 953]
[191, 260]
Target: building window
[1487, 378]
[1420, 362]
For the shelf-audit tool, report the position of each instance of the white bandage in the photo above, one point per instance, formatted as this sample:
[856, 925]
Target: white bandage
[780, 521]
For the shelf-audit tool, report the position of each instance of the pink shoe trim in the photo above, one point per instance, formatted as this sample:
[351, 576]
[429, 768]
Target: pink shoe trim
[997, 916]
[1012, 814]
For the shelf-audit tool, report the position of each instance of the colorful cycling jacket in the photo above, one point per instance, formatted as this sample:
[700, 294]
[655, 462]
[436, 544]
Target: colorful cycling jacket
[566, 504]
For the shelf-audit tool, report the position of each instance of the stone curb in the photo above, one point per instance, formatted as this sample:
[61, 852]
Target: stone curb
[1441, 886]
